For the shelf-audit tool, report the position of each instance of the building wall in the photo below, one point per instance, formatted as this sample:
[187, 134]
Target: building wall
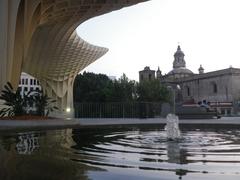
[27, 83]
[224, 95]
[235, 86]
[203, 89]
[146, 75]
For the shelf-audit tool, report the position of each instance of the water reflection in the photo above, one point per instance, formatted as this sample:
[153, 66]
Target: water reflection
[197, 153]
[175, 153]
[27, 143]
[39, 156]
[111, 154]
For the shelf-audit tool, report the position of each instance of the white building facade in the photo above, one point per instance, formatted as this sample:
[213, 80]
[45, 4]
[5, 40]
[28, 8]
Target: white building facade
[28, 83]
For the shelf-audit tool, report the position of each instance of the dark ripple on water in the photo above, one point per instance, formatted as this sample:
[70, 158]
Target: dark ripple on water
[196, 151]
[132, 153]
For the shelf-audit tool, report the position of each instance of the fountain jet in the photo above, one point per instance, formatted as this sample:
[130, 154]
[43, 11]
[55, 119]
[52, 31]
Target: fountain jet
[172, 128]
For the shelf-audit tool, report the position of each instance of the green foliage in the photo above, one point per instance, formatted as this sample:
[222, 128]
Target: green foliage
[18, 105]
[123, 90]
[13, 100]
[95, 95]
[90, 87]
[153, 91]
[44, 105]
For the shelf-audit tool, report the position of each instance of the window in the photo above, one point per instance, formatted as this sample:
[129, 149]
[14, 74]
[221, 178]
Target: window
[25, 89]
[31, 88]
[23, 80]
[214, 86]
[34, 81]
[187, 90]
[149, 76]
[31, 81]
[26, 81]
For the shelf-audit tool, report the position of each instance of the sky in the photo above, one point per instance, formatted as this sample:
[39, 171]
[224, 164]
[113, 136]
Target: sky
[148, 34]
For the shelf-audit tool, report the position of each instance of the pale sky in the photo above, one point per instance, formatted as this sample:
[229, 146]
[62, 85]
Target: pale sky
[147, 34]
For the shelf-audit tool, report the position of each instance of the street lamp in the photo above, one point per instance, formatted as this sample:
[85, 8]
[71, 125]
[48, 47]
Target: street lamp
[68, 110]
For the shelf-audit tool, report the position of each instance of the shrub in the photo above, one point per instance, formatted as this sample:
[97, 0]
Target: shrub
[32, 103]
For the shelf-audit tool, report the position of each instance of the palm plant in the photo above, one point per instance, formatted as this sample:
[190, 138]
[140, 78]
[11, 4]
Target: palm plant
[13, 100]
[44, 104]
[31, 103]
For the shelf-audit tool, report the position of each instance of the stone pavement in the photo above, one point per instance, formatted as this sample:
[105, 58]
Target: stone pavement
[11, 125]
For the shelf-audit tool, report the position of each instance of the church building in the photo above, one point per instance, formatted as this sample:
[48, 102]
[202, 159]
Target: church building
[221, 89]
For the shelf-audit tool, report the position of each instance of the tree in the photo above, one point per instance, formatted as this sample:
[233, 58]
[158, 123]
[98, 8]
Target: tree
[152, 91]
[123, 90]
[90, 87]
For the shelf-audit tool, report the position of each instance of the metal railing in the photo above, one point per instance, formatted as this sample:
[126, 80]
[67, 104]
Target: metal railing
[118, 110]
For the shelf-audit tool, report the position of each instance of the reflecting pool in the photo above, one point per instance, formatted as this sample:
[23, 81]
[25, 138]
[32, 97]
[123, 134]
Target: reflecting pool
[114, 154]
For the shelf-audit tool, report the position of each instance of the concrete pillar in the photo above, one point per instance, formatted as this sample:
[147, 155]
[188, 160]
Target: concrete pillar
[42, 41]
[8, 19]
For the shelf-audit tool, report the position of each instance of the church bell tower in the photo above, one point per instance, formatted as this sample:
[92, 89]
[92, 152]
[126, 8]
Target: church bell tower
[179, 59]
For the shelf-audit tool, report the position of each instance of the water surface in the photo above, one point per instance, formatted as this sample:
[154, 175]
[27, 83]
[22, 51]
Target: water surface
[120, 154]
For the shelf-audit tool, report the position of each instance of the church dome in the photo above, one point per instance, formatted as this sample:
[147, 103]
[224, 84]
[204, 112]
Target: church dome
[179, 52]
[179, 58]
[181, 70]
[179, 65]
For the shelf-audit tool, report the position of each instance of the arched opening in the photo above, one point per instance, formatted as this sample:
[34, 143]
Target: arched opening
[187, 91]
[214, 87]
